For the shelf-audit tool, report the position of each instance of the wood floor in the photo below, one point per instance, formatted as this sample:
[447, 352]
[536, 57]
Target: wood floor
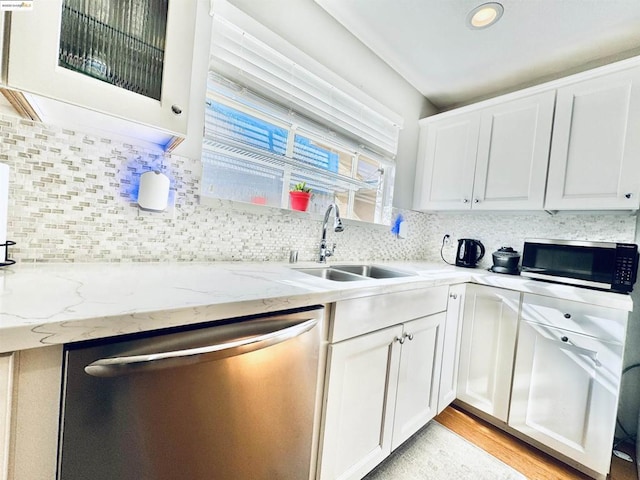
[529, 461]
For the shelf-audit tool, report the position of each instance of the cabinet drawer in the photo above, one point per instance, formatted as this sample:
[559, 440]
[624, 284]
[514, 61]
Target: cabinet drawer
[604, 323]
[361, 315]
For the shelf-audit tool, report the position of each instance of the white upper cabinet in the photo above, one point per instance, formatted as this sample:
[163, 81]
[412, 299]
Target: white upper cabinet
[129, 60]
[494, 158]
[513, 152]
[446, 163]
[594, 162]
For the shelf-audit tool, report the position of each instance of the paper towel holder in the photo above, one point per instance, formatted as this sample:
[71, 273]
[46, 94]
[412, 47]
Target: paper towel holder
[153, 191]
[7, 261]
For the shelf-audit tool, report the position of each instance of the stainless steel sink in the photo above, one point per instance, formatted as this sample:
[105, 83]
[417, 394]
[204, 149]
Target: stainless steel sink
[372, 271]
[351, 273]
[329, 273]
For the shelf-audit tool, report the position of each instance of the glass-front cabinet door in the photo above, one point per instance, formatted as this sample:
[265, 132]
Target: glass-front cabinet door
[127, 58]
[119, 42]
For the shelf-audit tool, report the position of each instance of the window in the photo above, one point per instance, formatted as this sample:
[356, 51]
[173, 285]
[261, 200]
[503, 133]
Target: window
[267, 130]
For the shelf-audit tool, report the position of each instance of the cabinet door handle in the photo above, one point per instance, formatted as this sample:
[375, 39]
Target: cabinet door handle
[408, 335]
[465, 200]
[453, 295]
[628, 195]
[400, 340]
[592, 355]
[567, 315]
[176, 109]
[476, 200]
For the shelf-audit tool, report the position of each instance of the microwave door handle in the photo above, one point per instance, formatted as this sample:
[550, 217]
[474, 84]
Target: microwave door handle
[117, 366]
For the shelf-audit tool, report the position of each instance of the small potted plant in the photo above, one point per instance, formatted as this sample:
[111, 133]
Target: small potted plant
[299, 196]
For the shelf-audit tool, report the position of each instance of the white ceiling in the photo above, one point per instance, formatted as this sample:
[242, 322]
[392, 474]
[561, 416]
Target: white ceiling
[429, 44]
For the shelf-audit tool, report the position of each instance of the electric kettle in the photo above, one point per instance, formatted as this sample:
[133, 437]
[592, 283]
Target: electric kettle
[469, 252]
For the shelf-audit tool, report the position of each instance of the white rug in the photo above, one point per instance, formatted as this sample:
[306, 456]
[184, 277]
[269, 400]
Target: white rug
[437, 453]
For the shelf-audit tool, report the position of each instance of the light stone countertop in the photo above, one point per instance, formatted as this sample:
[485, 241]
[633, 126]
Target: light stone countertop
[49, 304]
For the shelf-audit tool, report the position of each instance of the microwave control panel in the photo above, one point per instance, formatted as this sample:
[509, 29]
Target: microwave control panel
[626, 267]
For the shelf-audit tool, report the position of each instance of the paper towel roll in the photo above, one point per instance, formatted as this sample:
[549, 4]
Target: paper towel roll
[153, 193]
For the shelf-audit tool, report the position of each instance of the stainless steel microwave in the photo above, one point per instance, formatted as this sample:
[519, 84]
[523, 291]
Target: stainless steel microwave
[602, 265]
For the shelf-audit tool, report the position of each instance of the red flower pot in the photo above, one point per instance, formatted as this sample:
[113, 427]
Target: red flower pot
[299, 200]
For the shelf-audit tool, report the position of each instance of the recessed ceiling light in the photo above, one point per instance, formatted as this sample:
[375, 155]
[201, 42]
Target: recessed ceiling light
[484, 15]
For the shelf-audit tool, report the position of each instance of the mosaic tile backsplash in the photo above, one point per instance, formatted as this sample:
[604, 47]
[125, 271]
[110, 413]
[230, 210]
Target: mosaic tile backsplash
[73, 197]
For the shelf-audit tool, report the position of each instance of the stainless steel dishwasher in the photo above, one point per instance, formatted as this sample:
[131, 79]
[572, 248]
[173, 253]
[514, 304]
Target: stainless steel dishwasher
[234, 400]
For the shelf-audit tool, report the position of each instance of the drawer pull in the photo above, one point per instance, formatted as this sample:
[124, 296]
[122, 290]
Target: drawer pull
[567, 315]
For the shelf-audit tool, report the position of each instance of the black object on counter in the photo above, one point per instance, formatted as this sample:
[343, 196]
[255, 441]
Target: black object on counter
[506, 260]
[469, 252]
[7, 261]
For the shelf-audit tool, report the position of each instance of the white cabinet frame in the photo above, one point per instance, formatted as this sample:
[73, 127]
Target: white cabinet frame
[33, 67]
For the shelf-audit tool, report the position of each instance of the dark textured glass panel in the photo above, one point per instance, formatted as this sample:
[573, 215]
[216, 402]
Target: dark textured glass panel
[121, 42]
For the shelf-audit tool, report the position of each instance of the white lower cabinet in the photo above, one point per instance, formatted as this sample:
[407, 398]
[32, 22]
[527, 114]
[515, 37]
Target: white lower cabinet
[419, 376]
[6, 393]
[487, 343]
[381, 386]
[566, 384]
[451, 347]
[362, 382]
[544, 368]
[547, 368]
[33, 377]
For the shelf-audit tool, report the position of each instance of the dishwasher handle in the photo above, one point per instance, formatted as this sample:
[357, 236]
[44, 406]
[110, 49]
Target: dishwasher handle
[118, 366]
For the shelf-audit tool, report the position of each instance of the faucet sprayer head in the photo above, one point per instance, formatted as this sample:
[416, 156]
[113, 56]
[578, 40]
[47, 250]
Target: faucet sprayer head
[337, 223]
[337, 227]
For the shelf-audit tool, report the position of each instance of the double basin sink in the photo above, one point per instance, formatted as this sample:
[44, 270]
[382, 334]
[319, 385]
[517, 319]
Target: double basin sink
[351, 273]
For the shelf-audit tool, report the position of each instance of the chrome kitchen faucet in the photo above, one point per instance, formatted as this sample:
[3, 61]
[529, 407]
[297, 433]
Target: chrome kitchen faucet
[337, 227]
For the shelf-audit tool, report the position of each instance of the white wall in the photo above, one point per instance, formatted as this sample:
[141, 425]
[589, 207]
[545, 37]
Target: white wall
[308, 27]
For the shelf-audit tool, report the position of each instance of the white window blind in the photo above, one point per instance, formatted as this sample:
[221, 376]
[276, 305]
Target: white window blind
[244, 58]
[254, 151]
